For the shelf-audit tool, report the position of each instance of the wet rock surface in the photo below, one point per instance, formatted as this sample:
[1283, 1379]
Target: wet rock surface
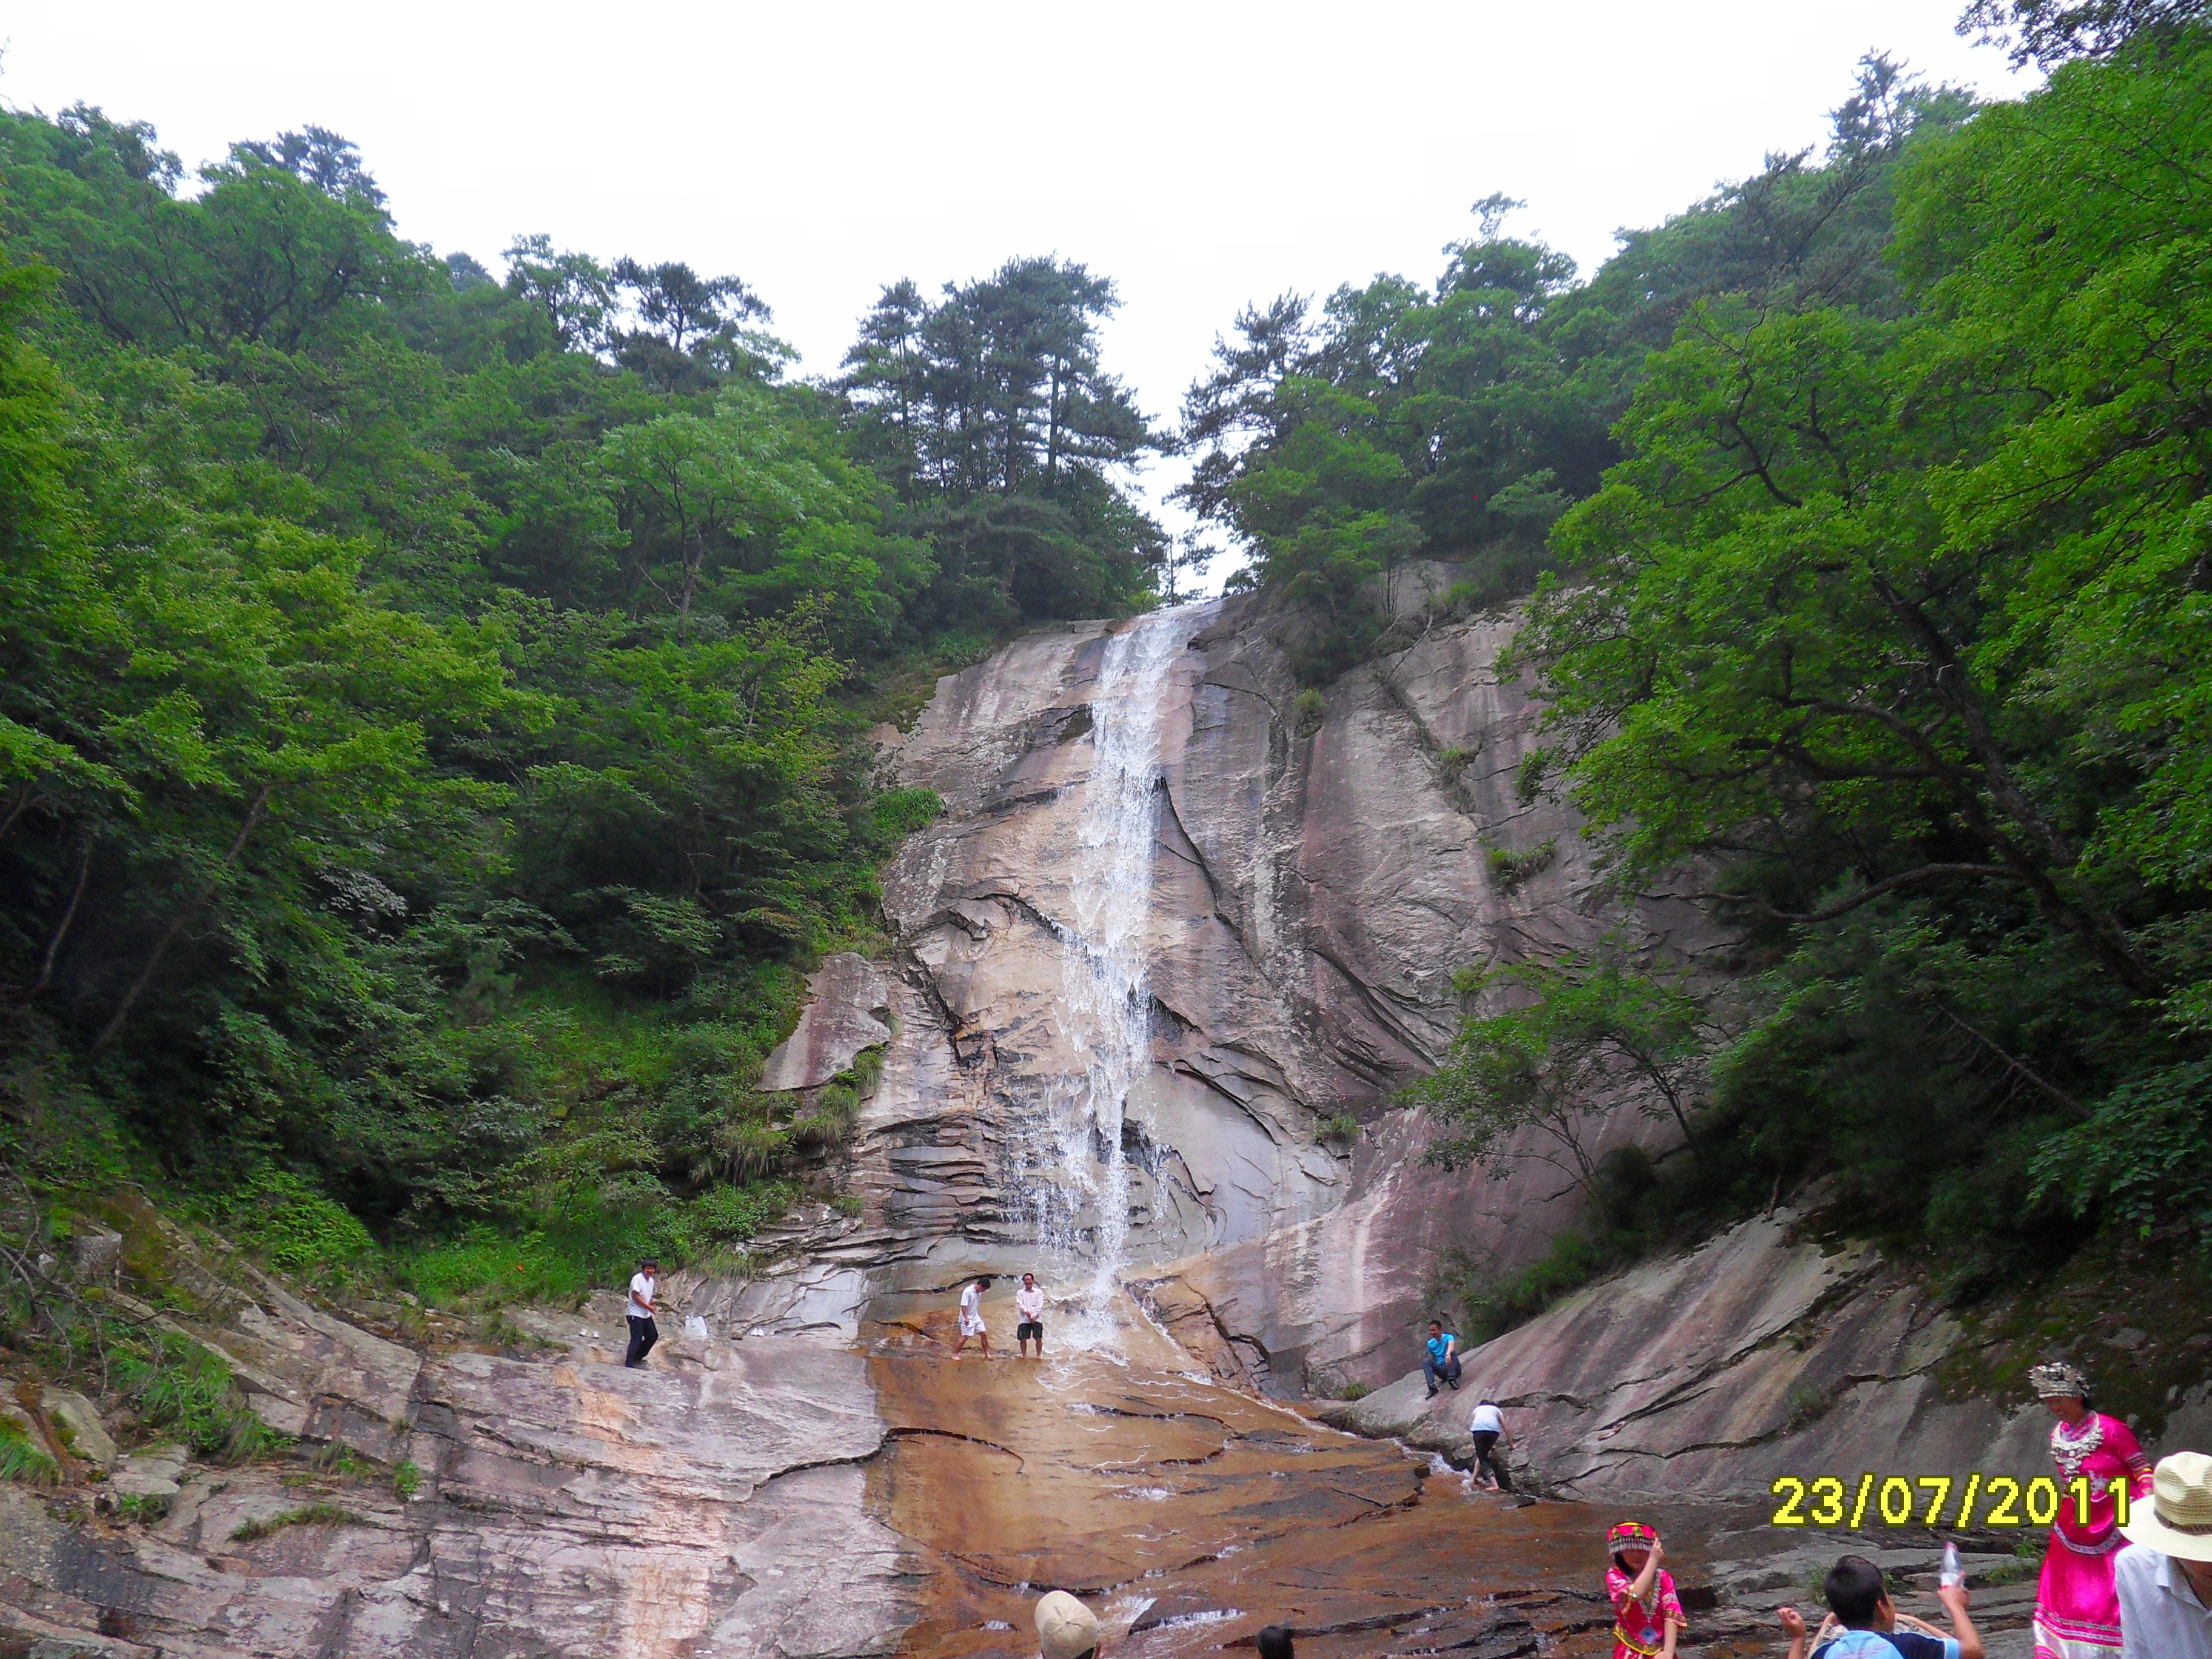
[1316, 884]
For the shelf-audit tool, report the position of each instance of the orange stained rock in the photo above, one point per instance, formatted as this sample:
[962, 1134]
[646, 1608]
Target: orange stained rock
[1189, 1515]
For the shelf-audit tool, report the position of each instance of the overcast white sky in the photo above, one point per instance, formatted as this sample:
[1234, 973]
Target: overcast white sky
[1203, 154]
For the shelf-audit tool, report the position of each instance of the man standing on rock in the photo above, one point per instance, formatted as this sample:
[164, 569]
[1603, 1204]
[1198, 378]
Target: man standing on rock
[971, 1316]
[1028, 1306]
[1442, 1365]
[643, 1333]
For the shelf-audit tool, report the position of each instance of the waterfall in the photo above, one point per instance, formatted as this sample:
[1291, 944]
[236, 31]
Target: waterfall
[1106, 1003]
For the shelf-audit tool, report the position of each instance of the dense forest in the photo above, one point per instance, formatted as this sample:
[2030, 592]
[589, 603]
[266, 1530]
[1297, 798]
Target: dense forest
[1865, 506]
[430, 704]
[431, 700]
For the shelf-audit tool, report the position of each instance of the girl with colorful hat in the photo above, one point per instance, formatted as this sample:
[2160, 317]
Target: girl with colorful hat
[1647, 1614]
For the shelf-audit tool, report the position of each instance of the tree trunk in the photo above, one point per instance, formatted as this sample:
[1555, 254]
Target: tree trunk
[253, 817]
[69, 914]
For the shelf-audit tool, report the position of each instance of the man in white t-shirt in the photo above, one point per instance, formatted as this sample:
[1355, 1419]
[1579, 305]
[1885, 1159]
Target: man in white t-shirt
[1484, 1426]
[1028, 1307]
[643, 1333]
[2164, 1580]
[971, 1315]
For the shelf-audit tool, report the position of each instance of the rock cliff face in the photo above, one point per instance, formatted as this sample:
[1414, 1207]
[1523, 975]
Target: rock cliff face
[1312, 879]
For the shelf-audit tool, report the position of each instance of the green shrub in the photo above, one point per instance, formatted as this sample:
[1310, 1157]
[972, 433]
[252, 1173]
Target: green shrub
[1338, 1131]
[1511, 866]
[898, 814]
[406, 1480]
[295, 1226]
[1307, 711]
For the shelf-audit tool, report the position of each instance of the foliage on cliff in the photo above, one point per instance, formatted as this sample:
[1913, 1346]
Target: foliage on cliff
[429, 704]
[1459, 421]
[1895, 615]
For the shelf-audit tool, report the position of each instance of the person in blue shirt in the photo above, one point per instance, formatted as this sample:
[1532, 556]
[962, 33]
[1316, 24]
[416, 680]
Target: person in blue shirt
[1442, 1365]
[1863, 1623]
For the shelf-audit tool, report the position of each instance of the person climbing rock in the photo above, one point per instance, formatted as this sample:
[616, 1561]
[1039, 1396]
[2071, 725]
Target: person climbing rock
[1066, 1628]
[971, 1315]
[1442, 1365]
[1647, 1614]
[1029, 1304]
[1485, 1425]
[643, 1333]
[1863, 1623]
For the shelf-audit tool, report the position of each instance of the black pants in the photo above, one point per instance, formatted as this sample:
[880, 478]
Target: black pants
[644, 1334]
[1030, 1330]
[1447, 1372]
[1484, 1468]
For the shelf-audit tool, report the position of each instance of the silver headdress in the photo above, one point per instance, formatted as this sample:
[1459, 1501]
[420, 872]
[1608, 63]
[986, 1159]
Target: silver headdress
[2057, 1381]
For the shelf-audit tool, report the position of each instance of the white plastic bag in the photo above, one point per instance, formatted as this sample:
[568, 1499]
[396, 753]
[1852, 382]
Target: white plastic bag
[695, 1329]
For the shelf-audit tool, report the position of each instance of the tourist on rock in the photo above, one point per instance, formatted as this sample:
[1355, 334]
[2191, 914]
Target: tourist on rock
[1028, 1307]
[2165, 1583]
[2077, 1609]
[643, 1333]
[1274, 1643]
[1863, 1623]
[1441, 1363]
[1647, 1615]
[1066, 1628]
[1484, 1426]
[971, 1315]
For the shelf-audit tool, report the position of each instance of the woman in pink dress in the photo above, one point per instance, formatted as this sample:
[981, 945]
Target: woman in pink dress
[2077, 1611]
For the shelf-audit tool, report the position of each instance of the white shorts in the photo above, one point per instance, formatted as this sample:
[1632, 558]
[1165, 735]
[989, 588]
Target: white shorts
[971, 1324]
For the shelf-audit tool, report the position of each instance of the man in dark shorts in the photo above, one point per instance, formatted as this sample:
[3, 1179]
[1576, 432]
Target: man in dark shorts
[1029, 1309]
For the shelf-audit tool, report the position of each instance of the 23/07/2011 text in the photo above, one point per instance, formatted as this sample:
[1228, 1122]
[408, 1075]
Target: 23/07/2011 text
[1894, 1501]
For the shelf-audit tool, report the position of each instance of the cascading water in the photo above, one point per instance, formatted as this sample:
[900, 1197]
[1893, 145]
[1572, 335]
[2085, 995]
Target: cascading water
[1106, 1006]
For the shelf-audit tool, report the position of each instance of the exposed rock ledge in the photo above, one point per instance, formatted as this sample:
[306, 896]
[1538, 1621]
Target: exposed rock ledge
[712, 1504]
[1706, 1374]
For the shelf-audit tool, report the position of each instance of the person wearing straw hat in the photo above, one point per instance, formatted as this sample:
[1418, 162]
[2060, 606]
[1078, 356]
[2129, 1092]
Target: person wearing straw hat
[2077, 1611]
[2165, 1583]
[1066, 1628]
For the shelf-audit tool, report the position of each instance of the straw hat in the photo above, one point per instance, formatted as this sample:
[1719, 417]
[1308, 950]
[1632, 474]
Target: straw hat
[1066, 1628]
[2178, 1519]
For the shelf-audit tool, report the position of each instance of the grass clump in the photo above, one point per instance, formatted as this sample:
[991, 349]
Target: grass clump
[406, 1480]
[1338, 1131]
[1511, 866]
[22, 1459]
[1307, 711]
[179, 1386]
[308, 1515]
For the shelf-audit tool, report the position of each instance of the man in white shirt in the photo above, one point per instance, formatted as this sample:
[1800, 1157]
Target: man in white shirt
[1484, 1426]
[971, 1315]
[643, 1333]
[1028, 1307]
[2166, 1581]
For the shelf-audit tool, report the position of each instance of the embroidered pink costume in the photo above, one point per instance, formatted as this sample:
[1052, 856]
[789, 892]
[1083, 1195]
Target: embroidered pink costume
[1638, 1631]
[2077, 1611]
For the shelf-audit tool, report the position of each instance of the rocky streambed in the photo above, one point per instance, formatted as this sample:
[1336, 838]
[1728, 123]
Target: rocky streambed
[799, 1496]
